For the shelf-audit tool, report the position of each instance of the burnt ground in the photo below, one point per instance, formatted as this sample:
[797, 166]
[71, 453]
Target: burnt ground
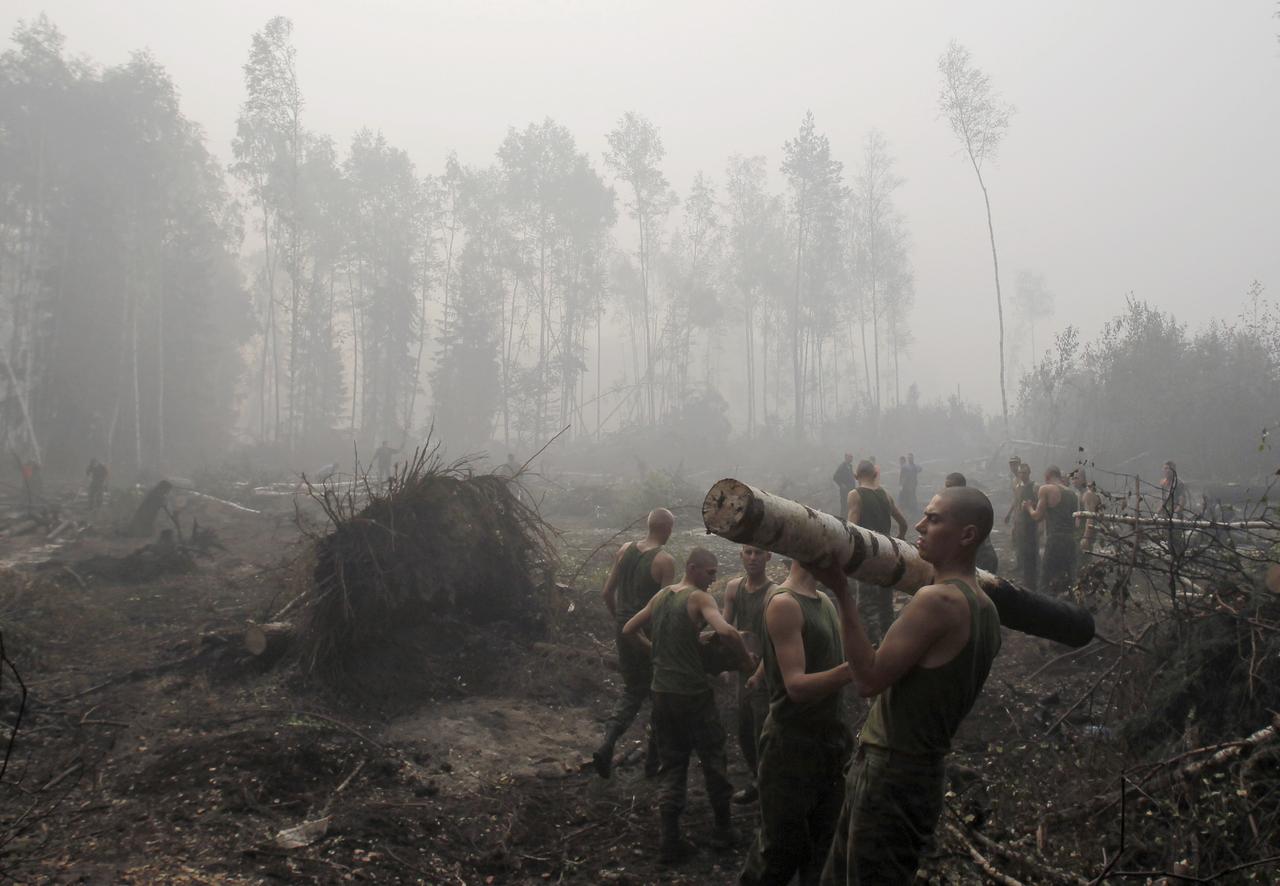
[153, 749]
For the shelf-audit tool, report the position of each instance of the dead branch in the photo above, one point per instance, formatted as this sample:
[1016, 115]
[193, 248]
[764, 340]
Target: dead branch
[1175, 523]
[980, 860]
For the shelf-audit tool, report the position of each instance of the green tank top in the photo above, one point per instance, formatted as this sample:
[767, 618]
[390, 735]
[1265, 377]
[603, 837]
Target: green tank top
[921, 712]
[823, 650]
[1059, 519]
[748, 608]
[677, 660]
[876, 513]
[1025, 493]
[636, 584]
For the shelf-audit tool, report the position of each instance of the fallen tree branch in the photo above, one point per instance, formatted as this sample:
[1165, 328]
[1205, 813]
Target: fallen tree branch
[1043, 870]
[1175, 523]
[980, 860]
[1226, 754]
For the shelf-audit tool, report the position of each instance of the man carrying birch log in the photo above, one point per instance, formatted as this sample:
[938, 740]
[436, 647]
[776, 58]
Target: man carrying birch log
[805, 745]
[744, 602]
[640, 569]
[872, 507]
[924, 677]
[685, 717]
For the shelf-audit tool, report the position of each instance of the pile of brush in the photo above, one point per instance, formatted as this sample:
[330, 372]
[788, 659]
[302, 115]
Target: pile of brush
[407, 564]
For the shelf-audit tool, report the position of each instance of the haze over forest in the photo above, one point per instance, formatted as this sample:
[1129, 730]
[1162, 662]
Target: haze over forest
[1138, 161]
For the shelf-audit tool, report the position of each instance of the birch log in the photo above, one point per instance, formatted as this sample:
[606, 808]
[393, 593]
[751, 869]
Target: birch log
[746, 515]
[269, 639]
[1174, 523]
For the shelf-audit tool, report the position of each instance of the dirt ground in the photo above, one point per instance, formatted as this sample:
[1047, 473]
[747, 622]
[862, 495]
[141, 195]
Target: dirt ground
[153, 749]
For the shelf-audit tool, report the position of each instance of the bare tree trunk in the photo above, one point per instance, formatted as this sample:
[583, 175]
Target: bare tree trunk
[796, 359]
[355, 341]
[749, 340]
[599, 351]
[137, 394]
[160, 371]
[995, 262]
[644, 290]
[422, 337]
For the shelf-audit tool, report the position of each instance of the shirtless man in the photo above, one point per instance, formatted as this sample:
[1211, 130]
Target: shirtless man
[806, 745]
[640, 569]
[744, 602]
[872, 507]
[1055, 507]
[685, 717]
[924, 677]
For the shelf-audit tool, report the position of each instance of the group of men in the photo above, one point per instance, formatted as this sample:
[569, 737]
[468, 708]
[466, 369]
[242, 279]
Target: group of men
[1052, 505]
[829, 811]
[846, 480]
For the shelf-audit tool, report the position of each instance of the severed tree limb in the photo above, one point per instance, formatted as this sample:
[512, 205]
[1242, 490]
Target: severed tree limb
[1174, 523]
[1044, 871]
[980, 860]
[1225, 754]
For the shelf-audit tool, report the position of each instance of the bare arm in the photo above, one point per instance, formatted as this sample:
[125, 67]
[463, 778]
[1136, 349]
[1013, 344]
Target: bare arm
[1042, 504]
[731, 598]
[705, 605]
[1013, 506]
[898, 518]
[922, 622]
[785, 621]
[634, 628]
[610, 592]
[854, 505]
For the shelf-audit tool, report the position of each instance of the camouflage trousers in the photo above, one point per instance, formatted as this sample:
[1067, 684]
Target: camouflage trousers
[1058, 564]
[891, 807]
[875, 610]
[636, 669]
[753, 708]
[801, 786]
[685, 725]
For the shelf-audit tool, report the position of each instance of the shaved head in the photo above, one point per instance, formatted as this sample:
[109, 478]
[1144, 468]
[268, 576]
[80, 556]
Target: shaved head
[866, 470]
[700, 568]
[969, 507]
[955, 478]
[700, 557]
[661, 522]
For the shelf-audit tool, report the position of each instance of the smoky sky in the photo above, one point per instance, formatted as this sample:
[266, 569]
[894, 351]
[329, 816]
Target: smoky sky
[1141, 159]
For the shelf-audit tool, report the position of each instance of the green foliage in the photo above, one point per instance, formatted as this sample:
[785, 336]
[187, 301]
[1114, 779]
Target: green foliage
[1147, 378]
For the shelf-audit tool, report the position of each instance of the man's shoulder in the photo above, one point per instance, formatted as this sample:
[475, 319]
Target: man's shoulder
[782, 603]
[939, 597]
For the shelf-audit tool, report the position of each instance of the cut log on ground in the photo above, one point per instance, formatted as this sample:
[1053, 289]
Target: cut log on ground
[1171, 523]
[746, 515]
[269, 639]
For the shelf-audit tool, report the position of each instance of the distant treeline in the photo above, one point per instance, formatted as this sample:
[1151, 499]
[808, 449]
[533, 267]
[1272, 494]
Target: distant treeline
[151, 302]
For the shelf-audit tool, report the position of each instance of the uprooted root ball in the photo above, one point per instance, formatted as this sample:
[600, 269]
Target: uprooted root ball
[438, 550]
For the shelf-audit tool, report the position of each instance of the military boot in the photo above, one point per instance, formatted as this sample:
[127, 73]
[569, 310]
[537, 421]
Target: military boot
[723, 836]
[672, 848]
